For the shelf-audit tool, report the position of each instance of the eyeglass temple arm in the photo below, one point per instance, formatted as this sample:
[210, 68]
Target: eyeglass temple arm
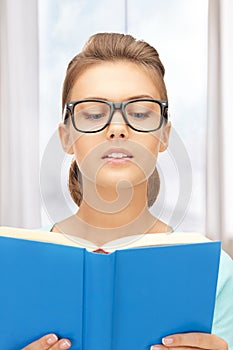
[66, 113]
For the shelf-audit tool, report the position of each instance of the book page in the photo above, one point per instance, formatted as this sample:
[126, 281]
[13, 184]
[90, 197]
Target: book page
[133, 241]
[152, 239]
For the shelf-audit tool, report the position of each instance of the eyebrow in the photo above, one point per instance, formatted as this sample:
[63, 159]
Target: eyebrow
[128, 98]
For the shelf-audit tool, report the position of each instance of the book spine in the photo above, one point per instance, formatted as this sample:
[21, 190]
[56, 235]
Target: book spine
[99, 284]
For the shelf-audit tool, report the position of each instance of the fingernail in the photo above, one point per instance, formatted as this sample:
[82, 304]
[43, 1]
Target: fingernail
[52, 339]
[167, 341]
[65, 344]
[155, 347]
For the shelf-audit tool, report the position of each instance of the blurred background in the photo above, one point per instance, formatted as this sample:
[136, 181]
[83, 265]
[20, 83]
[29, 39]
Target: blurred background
[194, 41]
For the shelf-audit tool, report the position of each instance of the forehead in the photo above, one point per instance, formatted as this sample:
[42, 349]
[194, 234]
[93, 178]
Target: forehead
[114, 81]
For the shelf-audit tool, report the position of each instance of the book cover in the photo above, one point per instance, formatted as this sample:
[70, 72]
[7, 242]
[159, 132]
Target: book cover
[127, 299]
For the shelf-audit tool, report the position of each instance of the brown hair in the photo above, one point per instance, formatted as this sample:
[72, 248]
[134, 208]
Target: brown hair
[104, 47]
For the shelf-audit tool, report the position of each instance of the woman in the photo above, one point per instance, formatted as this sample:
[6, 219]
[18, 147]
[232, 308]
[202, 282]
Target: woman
[115, 123]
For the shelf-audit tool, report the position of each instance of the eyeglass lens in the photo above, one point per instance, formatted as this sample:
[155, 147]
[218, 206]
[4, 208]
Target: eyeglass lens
[92, 116]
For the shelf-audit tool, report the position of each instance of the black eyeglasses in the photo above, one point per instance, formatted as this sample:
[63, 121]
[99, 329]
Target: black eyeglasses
[92, 115]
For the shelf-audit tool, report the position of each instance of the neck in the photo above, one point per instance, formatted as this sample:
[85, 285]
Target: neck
[106, 214]
[108, 207]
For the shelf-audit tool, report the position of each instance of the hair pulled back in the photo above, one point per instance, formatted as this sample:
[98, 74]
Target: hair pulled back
[110, 47]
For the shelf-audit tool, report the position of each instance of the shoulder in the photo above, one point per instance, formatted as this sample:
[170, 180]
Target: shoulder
[55, 228]
[160, 227]
[225, 271]
[70, 225]
[223, 313]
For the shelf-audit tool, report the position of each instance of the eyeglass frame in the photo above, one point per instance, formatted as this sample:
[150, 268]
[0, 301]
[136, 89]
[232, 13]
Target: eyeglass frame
[69, 107]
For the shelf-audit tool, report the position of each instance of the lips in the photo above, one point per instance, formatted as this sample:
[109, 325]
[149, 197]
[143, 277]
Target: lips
[117, 153]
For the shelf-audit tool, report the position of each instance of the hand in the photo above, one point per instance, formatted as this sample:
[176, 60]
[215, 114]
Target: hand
[191, 341]
[49, 342]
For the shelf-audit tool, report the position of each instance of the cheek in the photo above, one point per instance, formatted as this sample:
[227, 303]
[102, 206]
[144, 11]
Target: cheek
[88, 150]
[150, 142]
[84, 145]
[147, 152]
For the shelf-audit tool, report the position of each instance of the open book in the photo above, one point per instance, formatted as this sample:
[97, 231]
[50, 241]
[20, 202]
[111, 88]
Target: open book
[147, 287]
[141, 240]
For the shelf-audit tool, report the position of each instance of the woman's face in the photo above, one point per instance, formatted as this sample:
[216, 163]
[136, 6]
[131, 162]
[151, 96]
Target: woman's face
[95, 153]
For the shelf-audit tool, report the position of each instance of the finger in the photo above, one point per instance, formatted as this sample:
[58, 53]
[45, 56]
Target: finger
[43, 343]
[162, 347]
[62, 344]
[158, 347]
[48, 342]
[195, 340]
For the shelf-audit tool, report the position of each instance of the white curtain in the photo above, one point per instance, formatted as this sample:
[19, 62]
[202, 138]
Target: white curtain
[19, 123]
[219, 213]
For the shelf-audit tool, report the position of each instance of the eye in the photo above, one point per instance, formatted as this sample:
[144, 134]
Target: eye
[94, 116]
[140, 115]
[138, 111]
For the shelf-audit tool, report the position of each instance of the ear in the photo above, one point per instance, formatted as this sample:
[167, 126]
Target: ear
[165, 137]
[65, 138]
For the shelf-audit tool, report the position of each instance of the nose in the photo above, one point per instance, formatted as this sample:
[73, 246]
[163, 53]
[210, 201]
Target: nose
[117, 127]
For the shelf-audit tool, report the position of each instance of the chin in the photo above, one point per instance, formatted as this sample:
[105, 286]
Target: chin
[120, 181]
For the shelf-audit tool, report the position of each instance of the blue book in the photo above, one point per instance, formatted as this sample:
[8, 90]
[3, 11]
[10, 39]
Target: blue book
[152, 286]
